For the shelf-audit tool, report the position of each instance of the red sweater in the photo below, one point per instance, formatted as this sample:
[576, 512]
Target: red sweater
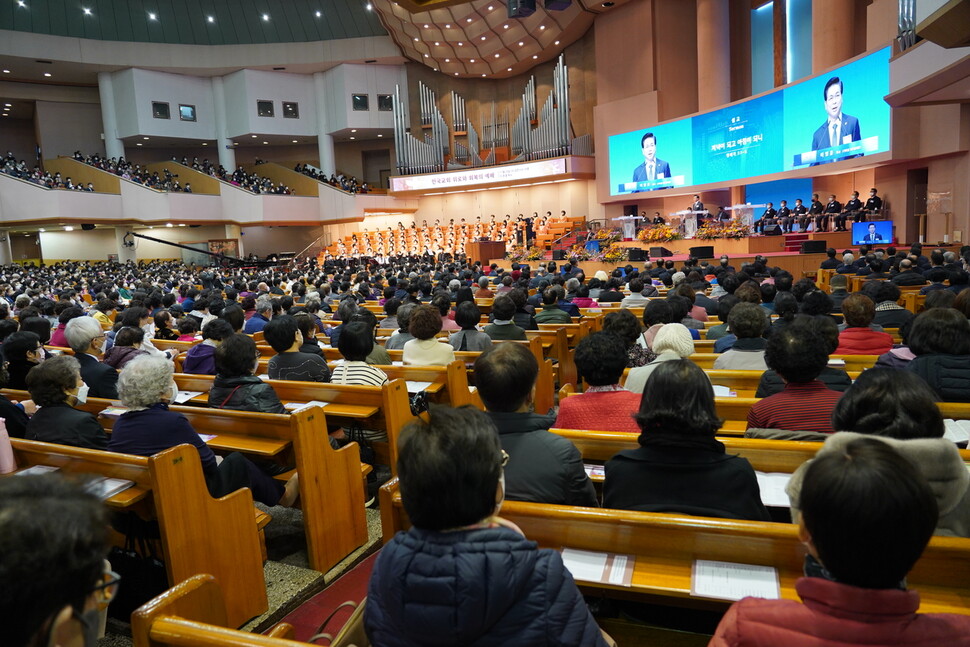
[799, 407]
[600, 411]
[863, 341]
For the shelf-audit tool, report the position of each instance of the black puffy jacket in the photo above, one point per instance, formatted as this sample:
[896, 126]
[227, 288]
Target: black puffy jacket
[475, 588]
[245, 393]
[948, 375]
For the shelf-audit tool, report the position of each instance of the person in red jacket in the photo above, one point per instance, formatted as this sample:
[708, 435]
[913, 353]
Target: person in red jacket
[858, 338]
[605, 406]
[866, 517]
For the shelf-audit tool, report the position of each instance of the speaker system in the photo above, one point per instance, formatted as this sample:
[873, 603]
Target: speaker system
[705, 251]
[557, 5]
[658, 252]
[521, 8]
[87, 226]
[559, 254]
[814, 247]
[629, 210]
[636, 255]
[772, 230]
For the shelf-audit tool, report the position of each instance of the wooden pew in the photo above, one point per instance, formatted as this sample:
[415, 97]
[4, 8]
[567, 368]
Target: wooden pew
[331, 487]
[666, 545]
[199, 534]
[853, 363]
[193, 612]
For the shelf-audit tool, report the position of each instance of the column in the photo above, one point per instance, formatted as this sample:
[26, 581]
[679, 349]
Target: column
[6, 254]
[125, 253]
[713, 54]
[113, 147]
[235, 231]
[227, 154]
[324, 140]
[835, 32]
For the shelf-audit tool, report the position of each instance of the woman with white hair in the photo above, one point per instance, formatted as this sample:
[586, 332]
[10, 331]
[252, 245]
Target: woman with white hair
[673, 341]
[146, 389]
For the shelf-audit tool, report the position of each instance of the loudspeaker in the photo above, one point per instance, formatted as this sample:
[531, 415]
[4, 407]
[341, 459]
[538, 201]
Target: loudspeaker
[814, 247]
[521, 8]
[657, 252]
[705, 251]
[87, 226]
[772, 230]
[557, 5]
[559, 254]
[629, 210]
[636, 255]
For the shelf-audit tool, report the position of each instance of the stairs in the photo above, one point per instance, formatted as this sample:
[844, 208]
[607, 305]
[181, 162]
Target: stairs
[565, 243]
[793, 242]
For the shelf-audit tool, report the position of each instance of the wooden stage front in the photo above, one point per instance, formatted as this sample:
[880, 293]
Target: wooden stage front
[740, 252]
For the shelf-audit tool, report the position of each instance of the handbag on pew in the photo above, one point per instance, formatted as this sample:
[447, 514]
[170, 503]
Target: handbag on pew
[352, 634]
[143, 575]
[419, 402]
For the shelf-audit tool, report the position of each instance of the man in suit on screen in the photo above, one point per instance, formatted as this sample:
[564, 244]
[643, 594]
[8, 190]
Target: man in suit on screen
[652, 167]
[839, 128]
[872, 236]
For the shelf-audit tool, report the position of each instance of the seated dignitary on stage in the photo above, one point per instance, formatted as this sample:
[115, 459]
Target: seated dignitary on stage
[543, 467]
[680, 466]
[461, 574]
[866, 517]
[767, 218]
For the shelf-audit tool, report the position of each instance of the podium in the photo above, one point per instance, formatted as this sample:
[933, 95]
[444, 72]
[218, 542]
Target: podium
[629, 224]
[482, 251]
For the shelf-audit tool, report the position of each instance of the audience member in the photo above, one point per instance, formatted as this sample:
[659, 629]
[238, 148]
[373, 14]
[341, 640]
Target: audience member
[605, 405]
[748, 323]
[235, 385]
[425, 349]
[283, 334]
[940, 341]
[56, 387]
[858, 338]
[672, 342]
[85, 337]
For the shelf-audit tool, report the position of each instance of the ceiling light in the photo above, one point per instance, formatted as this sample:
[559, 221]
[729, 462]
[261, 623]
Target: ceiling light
[254, 136]
[181, 224]
[151, 16]
[205, 143]
[319, 13]
[353, 138]
[505, 26]
[415, 40]
[21, 3]
[447, 60]
[265, 17]
[456, 73]
[6, 114]
[8, 105]
[468, 20]
[473, 60]
[380, 135]
[69, 228]
[541, 27]
[210, 18]
[483, 75]
[460, 43]
[369, 7]
[426, 26]
[144, 138]
[295, 141]
[87, 12]
[534, 56]
[483, 38]
[265, 142]
[556, 43]
[41, 230]
[47, 74]
[496, 56]
[426, 56]
[521, 43]
[138, 144]
[168, 224]
[6, 71]
[490, 7]
[353, 130]
[448, 26]
[436, 43]
[509, 70]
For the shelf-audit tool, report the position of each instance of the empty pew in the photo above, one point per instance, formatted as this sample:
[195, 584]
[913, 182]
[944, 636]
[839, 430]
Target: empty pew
[199, 534]
[665, 547]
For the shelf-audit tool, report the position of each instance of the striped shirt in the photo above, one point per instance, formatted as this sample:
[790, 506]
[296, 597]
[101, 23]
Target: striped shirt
[358, 374]
[800, 407]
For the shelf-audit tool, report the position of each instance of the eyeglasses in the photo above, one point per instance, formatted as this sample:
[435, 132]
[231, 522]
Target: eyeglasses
[505, 458]
[106, 590]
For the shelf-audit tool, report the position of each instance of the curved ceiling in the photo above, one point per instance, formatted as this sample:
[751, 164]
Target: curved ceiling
[477, 38]
[194, 22]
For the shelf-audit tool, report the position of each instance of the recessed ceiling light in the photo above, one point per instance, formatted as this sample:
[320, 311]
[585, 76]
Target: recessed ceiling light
[168, 224]
[8, 105]
[483, 75]
[460, 43]
[296, 141]
[6, 71]
[205, 143]
[483, 38]
[6, 114]
[505, 26]
[87, 12]
[380, 135]
[496, 56]
[456, 73]
[181, 224]
[145, 138]
[254, 136]
[210, 18]
[473, 60]
[138, 144]
[265, 17]
[415, 40]
[47, 74]
[353, 138]
[509, 70]
[426, 26]
[21, 3]
[541, 27]
[353, 130]
[69, 228]
[151, 16]
[369, 7]
[490, 7]
[436, 43]
[426, 56]
[556, 43]
[468, 20]
[448, 26]
[447, 60]
[521, 43]
[265, 142]
[319, 13]
[535, 56]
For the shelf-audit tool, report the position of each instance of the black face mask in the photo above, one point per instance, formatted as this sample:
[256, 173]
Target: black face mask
[724, 262]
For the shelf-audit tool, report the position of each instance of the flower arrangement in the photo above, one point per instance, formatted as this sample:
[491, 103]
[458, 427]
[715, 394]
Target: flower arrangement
[578, 253]
[734, 229]
[616, 254]
[658, 234]
[607, 236]
[520, 253]
[534, 254]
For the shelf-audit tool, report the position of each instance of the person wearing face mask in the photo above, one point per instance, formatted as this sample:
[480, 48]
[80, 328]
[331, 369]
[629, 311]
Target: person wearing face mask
[22, 351]
[461, 574]
[86, 338]
[140, 317]
[48, 518]
[146, 389]
[236, 385]
[56, 387]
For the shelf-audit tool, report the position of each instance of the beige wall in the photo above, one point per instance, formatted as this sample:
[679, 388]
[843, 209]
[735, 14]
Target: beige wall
[17, 136]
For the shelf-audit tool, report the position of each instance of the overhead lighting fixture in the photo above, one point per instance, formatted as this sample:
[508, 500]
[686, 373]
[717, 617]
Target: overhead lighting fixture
[138, 144]
[87, 12]
[353, 130]
[8, 105]
[254, 136]
[460, 43]
[448, 26]
[168, 224]
[41, 230]
[490, 7]
[319, 13]
[210, 18]
[473, 60]
[369, 7]
[483, 38]
[205, 143]
[21, 3]
[427, 26]
[541, 27]
[152, 16]
[415, 40]
[483, 75]
[535, 56]
[436, 43]
[6, 71]
[505, 26]
[265, 17]
[556, 43]
[426, 56]
[380, 134]
[69, 228]
[48, 74]
[509, 70]
[353, 138]
[145, 138]
[521, 43]
[265, 142]
[447, 60]
[295, 141]
[468, 20]
[456, 73]
[496, 56]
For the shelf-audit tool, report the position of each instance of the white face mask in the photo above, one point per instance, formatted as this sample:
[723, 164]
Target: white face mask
[82, 393]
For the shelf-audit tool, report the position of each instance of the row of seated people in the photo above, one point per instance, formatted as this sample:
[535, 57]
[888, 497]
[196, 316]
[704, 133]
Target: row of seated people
[865, 509]
[819, 216]
[10, 165]
[906, 269]
[337, 180]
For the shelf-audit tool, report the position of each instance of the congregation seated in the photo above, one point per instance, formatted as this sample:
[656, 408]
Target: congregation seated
[624, 325]
[551, 312]
[836, 379]
[899, 409]
[425, 349]
[356, 343]
[503, 325]
[403, 334]
[22, 351]
[146, 388]
[469, 338]
[85, 337]
[748, 323]
[866, 516]
[605, 405]
[127, 346]
[859, 338]
[55, 387]
[461, 572]
[680, 466]
[200, 359]
[235, 385]
[543, 467]
[940, 342]
[283, 334]
[672, 342]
